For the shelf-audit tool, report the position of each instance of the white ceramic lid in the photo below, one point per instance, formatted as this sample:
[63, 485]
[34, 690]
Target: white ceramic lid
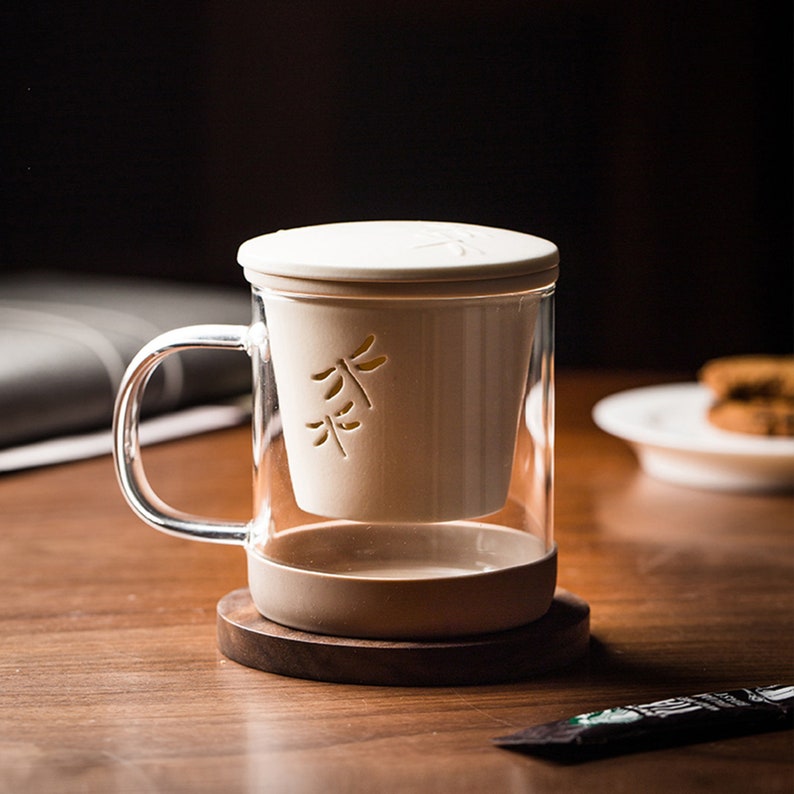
[400, 251]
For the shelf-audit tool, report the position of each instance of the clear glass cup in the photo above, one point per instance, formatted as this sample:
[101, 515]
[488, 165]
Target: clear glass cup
[403, 429]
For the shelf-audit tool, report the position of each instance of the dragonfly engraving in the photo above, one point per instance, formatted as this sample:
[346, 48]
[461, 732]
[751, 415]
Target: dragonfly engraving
[331, 426]
[458, 239]
[349, 369]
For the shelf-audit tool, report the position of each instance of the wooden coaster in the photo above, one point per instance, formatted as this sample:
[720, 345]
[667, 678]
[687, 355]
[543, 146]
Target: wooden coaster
[556, 639]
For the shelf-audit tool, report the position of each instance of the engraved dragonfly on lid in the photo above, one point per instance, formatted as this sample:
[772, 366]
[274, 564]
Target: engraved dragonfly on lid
[346, 372]
[461, 240]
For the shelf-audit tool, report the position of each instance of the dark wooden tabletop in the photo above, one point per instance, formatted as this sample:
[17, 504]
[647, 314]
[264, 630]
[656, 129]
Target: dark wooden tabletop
[110, 677]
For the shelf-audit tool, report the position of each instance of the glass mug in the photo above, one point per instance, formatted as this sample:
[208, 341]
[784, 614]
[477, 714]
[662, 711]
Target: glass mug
[403, 428]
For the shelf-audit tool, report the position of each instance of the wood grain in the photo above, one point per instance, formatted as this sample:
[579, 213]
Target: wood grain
[111, 678]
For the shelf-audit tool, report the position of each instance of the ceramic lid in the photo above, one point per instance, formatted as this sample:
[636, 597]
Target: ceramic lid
[400, 251]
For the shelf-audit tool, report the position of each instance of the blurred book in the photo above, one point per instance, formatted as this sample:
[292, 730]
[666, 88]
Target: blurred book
[66, 340]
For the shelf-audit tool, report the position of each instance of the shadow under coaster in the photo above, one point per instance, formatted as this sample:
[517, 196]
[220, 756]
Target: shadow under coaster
[555, 640]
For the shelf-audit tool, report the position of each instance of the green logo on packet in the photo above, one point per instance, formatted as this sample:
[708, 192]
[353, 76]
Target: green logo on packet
[615, 716]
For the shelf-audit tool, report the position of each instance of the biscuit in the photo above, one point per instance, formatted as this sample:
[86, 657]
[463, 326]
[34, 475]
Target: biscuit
[747, 377]
[760, 417]
[753, 394]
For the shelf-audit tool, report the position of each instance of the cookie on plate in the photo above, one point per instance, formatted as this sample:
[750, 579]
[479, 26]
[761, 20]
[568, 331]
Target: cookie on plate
[753, 394]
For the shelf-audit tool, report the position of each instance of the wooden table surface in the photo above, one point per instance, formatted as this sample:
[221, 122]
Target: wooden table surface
[110, 677]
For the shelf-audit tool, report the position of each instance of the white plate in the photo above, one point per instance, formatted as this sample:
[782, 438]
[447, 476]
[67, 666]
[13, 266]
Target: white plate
[667, 428]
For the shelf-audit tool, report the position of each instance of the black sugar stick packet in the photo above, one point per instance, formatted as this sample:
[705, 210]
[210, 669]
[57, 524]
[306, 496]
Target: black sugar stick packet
[665, 723]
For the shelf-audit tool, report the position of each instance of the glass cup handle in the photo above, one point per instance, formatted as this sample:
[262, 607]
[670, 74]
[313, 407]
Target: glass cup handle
[126, 445]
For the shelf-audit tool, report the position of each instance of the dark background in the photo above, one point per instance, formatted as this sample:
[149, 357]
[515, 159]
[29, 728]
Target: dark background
[651, 141]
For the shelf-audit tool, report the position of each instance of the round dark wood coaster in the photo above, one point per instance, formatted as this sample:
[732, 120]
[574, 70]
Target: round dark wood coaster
[556, 639]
